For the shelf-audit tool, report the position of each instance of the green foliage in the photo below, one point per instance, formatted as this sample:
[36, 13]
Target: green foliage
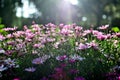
[115, 29]
[92, 52]
[8, 11]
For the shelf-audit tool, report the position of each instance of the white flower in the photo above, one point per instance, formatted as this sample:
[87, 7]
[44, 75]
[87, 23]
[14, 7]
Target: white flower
[10, 63]
[2, 51]
[76, 57]
[2, 68]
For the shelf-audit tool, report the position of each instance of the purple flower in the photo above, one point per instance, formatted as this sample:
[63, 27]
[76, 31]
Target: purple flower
[44, 78]
[30, 69]
[82, 46]
[73, 71]
[72, 61]
[79, 78]
[38, 61]
[10, 62]
[9, 52]
[61, 58]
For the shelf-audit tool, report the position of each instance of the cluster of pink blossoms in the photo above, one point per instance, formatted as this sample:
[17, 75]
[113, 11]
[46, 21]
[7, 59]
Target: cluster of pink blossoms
[47, 39]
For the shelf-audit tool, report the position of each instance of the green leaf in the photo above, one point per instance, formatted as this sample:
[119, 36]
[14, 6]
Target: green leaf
[115, 29]
[2, 26]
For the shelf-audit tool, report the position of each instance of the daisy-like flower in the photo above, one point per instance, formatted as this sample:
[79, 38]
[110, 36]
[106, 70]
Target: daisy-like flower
[73, 58]
[2, 68]
[101, 37]
[56, 44]
[10, 29]
[38, 61]
[93, 44]
[61, 58]
[82, 46]
[11, 63]
[2, 37]
[103, 27]
[30, 69]
[2, 51]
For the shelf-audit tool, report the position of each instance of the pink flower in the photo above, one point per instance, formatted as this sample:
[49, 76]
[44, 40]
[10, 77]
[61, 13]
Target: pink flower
[86, 32]
[11, 42]
[16, 79]
[103, 27]
[101, 37]
[61, 58]
[2, 37]
[18, 34]
[36, 27]
[29, 35]
[25, 27]
[65, 32]
[95, 33]
[9, 36]
[61, 26]
[118, 34]
[36, 45]
[82, 46]
[78, 28]
[10, 29]
[50, 25]
[30, 69]
[93, 44]
[119, 78]
[56, 44]
[50, 39]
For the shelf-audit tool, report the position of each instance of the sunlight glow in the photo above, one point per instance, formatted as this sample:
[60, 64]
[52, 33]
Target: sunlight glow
[73, 2]
[27, 9]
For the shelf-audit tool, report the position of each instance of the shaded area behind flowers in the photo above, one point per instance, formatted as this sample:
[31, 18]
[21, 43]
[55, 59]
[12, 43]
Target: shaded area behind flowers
[59, 52]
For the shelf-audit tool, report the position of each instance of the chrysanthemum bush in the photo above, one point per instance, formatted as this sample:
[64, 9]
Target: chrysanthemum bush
[59, 52]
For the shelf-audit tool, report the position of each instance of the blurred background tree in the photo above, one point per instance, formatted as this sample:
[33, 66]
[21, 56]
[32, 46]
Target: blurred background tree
[82, 12]
[8, 11]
